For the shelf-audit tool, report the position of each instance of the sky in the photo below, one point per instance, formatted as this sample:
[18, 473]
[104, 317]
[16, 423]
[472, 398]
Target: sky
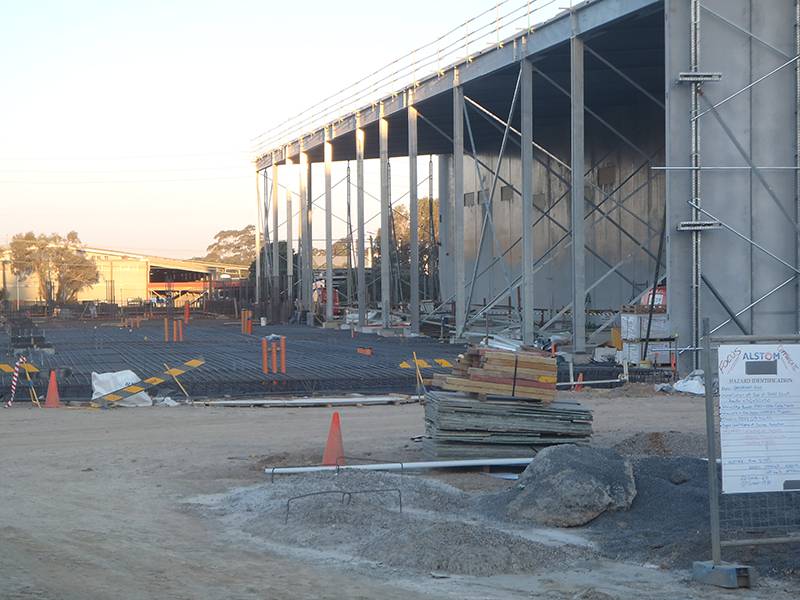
[133, 122]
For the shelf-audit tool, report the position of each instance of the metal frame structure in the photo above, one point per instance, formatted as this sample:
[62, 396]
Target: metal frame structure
[596, 105]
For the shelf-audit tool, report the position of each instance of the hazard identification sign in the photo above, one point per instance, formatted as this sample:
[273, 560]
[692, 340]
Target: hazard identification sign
[759, 407]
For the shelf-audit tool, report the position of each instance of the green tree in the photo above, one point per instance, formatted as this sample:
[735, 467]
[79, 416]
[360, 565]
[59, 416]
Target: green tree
[59, 262]
[234, 246]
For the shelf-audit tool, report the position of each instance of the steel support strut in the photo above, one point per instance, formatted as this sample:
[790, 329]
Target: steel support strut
[361, 276]
[328, 157]
[289, 242]
[258, 244]
[458, 208]
[413, 209]
[276, 257]
[386, 235]
[526, 111]
[577, 197]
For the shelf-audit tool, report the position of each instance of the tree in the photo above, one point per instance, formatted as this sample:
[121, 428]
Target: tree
[59, 262]
[233, 245]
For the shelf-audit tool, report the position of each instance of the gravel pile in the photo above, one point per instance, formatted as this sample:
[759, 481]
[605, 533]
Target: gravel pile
[663, 443]
[437, 531]
[668, 522]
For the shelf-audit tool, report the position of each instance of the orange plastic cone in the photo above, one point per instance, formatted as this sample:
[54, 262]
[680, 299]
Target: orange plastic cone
[334, 450]
[52, 401]
[579, 387]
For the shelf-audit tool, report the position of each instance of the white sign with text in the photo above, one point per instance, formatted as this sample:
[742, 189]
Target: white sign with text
[759, 408]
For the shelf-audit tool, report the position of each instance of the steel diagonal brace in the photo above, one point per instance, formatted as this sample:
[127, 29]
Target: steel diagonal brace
[515, 283]
[539, 264]
[496, 122]
[623, 75]
[608, 125]
[487, 217]
[745, 238]
[597, 282]
[746, 157]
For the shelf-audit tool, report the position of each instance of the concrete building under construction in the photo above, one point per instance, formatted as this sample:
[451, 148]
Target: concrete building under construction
[580, 158]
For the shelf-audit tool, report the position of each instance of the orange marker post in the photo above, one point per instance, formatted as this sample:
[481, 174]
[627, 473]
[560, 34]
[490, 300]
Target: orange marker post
[264, 362]
[274, 357]
[166, 329]
[283, 354]
[174, 330]
[186, 314]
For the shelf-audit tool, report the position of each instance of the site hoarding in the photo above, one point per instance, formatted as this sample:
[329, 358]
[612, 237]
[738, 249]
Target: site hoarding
[759, 406]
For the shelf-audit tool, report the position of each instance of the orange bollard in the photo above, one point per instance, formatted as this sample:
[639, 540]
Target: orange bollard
[264, 363]
[274, 357]
[283, 355]
[186, 314]
[166, 330]
[579, 383]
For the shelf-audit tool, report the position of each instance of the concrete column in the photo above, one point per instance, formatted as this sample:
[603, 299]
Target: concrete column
[303, 241]
[445, 163]
[526, 110]
[289, 239]
[360, 250]
[458, 208]
[414, 214]
[308, 270]
[386, 238]
[577, 198]
[258, 246]
[276, 265]
[328, 230]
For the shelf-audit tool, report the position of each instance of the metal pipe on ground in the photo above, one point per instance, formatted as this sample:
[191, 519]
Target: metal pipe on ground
[397, 466]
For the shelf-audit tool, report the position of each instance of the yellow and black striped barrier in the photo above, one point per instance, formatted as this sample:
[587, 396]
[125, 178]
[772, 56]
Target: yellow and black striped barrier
[424, 364]
[140, 386]
[26, 366]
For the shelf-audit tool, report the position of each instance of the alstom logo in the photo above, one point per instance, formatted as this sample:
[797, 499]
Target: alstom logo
[760, 356]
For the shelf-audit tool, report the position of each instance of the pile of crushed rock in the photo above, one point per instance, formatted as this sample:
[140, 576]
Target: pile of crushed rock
[648, 509]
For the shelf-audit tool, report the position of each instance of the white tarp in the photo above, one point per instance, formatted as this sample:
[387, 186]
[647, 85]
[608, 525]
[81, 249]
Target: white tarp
[104, 383]
[759, 407]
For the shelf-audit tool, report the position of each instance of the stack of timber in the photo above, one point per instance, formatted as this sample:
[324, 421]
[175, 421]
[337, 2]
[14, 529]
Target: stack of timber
[459, 425]
[525, 374]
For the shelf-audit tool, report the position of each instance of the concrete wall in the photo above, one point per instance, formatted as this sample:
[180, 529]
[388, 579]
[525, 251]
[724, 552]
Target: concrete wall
[763, 121]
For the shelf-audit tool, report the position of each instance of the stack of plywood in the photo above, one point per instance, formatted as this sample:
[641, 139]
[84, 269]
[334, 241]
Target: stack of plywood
[524, 374]
[459, 425]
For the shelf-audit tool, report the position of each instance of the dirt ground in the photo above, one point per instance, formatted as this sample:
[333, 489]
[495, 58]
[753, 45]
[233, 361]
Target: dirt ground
[92, 505]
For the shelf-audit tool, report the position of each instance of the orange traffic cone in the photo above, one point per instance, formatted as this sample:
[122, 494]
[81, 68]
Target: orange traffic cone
[52, 401]
[334, 450]
[579, 386]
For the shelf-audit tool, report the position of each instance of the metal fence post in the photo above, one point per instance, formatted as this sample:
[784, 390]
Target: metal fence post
[711, 438]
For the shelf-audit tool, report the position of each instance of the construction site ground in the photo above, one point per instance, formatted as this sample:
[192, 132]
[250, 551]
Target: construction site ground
[112, 503]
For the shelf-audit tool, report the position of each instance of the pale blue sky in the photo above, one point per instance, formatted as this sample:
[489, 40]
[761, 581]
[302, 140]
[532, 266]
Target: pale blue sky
[131, 121]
